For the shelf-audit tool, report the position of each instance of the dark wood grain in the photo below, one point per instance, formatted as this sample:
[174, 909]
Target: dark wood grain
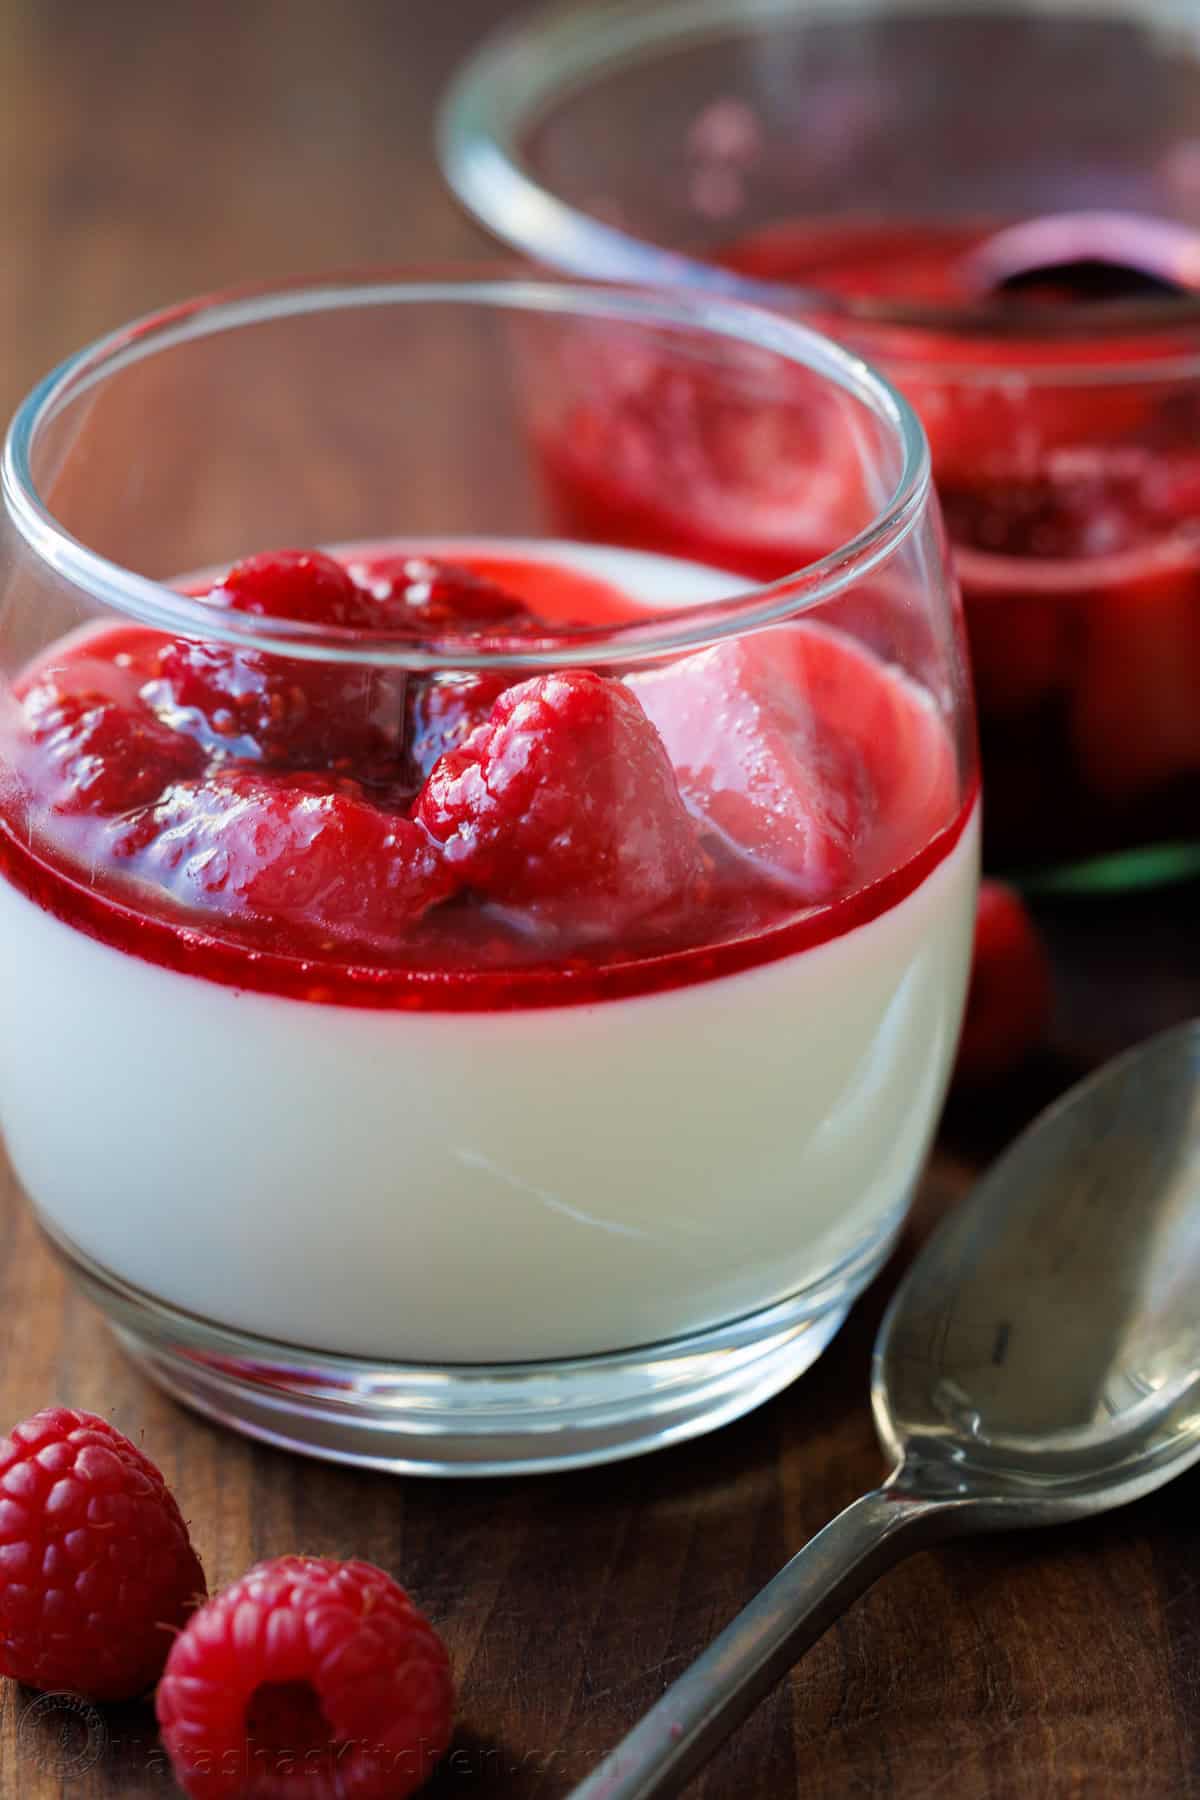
[150, 151]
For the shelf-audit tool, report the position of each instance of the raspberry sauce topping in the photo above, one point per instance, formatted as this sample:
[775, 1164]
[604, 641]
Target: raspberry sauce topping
[465, 838]
[308, 1676]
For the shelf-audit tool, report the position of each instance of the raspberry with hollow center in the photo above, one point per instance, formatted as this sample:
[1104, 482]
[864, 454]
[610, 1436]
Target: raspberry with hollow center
[96, 1567]
[309, 1674]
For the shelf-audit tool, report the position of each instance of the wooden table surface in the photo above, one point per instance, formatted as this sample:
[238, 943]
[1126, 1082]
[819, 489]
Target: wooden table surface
[150, 151]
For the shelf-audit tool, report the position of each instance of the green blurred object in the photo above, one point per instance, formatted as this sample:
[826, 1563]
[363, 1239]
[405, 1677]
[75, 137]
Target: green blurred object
[1128, 869]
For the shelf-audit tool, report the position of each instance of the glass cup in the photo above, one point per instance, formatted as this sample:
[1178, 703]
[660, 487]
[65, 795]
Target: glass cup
[482, 1002]
[859, 166]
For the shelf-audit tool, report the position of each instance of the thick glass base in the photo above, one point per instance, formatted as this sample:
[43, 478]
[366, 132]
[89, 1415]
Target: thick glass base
[477, 1419]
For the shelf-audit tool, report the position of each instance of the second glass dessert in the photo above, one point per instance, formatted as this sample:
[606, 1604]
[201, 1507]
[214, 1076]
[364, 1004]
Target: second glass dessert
[1001, 208]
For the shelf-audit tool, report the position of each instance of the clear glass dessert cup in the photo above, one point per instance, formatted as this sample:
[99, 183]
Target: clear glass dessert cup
[481, 1002]
[853, 166]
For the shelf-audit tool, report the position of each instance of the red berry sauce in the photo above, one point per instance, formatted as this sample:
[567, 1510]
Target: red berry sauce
[1073, 504]
[468, 840]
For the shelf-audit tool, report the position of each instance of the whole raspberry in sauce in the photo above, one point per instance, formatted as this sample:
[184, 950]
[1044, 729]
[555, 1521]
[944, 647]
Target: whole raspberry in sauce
[298, 850]
[99, 754]
[565, 804]
[353, 718]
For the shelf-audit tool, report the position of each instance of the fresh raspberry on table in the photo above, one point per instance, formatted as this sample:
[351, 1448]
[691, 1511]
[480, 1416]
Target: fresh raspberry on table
[1008, 1002]
[307, 1675]
[564, 803]
[96, 1568]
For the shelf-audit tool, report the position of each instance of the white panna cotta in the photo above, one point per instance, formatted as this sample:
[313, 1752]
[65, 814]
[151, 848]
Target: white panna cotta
[465, 1186]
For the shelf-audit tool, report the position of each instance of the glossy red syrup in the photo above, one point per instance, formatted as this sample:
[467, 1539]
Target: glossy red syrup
[1073, 504]
[471, 841]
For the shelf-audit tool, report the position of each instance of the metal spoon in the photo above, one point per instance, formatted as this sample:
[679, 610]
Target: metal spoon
[1040, 1362]
[1086, 256]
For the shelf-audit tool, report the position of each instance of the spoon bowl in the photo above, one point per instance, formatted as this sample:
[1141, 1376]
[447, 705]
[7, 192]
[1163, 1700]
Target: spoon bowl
[1046, 1344]
[1040, 1362]
[1086, 256]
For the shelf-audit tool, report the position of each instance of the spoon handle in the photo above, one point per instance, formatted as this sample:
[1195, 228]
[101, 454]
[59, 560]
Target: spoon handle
[727, 1681]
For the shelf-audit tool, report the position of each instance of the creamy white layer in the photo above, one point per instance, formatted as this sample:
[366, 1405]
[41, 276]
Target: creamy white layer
[484, 1187]
[477, 1187]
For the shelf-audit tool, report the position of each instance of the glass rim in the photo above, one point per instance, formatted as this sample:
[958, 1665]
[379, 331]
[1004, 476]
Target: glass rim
[524, 66]
[752, 606]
